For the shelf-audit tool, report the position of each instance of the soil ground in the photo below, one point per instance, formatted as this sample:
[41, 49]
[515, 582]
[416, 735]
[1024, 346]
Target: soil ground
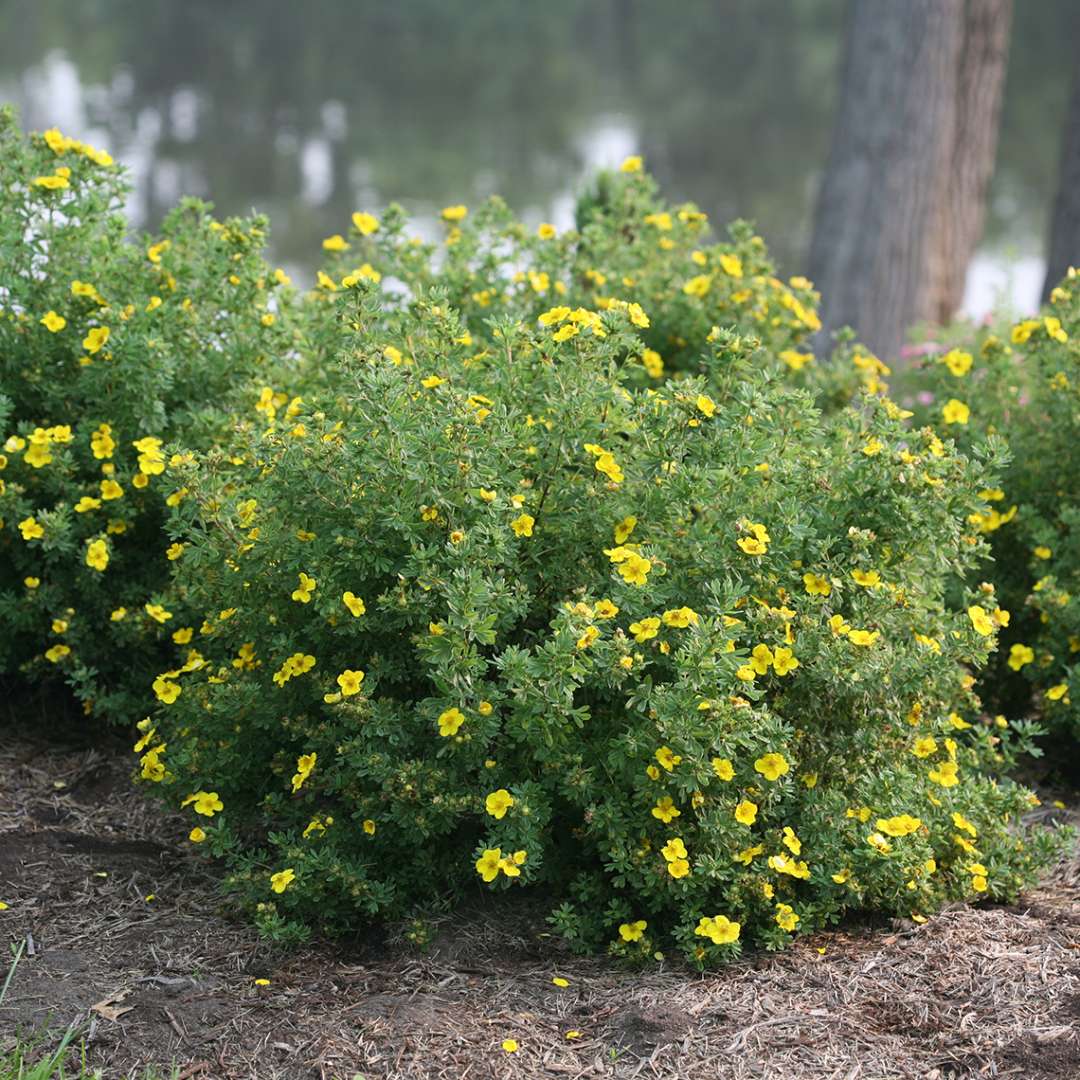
[124, 934]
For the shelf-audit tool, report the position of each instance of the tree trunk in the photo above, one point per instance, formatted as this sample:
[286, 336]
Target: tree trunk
[902, 203]
[1064, 243]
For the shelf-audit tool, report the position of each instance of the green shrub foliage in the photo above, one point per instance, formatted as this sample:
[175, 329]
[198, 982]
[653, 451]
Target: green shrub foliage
[522, 560]
[1023, 382]
[680, 655]
[108, 350]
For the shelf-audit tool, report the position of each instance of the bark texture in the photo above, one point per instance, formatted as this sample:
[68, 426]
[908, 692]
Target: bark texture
[903, 199]
[1064, 243]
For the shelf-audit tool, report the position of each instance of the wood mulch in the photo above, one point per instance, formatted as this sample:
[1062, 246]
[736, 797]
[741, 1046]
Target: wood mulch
[124, 935]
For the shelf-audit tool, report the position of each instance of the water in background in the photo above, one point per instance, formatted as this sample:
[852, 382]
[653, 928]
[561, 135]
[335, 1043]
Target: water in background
[308, 112]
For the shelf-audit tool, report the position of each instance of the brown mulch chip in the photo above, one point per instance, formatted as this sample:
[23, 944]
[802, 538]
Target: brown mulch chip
[170, 981]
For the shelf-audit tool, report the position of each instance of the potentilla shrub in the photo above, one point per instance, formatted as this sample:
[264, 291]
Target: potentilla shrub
[680, 658]
[109, 349]
[1022, 383]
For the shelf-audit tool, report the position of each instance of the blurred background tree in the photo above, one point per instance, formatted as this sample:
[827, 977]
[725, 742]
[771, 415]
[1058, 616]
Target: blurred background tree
[903, 201]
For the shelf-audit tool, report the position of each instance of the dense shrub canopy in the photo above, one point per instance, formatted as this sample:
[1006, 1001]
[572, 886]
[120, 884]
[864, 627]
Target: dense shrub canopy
[108, 350]
[1023, 382]
[516, 560]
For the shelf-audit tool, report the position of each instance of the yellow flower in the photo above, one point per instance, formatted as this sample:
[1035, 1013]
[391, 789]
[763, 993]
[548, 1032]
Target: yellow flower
[1019, 655]
[455, 213]
[719, 929]
[796, 360]
[337, 242]
[57, 653]
[751, 545]
[305, 766]
[761, 659]
[668, 758]
[52, 322]
[158, 613]
[746, 812]
[197, 835]
[980, 620]
[280, 881]
[56, 182]
[723, 768]
[680, 617]
[206, 803]
[632, 164]
[786, 918]
[816, 584]
[955, 412]
[864, 638]
[510, 1045]
[797, 868]
[925, 746]
[365, 223]
[945, 774]
[607, 465]
[523, 525]
[605, 609]
[97, 554]
[1056, 693]
[95, 339]
[166, 690]
[654, 363]
[488, 865]
[784, 661]
[353, 603]
[368, 827]
[624, 528]
[635, 569]
[31, 529]
[901, 825]
[665, 810]
[867, 578]
[957, 361]
[302, 593]
[771, 766]
[350, 681]
[731, 265]
[498, 802]
[450, 721]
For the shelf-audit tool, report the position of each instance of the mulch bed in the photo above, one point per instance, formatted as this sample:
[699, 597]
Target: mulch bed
[170, 981]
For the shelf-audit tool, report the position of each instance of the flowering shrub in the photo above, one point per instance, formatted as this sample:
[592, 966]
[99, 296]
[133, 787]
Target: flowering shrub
[108, 350]
[681, 654]
[1023, 384]
[439, 583]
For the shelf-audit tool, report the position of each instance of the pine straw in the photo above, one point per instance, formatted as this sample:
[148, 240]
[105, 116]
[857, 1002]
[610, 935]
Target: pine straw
[991, 991]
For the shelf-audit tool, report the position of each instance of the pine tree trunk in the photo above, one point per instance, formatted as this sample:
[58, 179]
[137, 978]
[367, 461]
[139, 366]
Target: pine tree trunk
[901, 206]
[1064, 245]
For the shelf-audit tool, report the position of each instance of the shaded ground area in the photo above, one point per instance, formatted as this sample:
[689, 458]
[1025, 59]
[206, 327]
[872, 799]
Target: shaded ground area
[170, 981]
